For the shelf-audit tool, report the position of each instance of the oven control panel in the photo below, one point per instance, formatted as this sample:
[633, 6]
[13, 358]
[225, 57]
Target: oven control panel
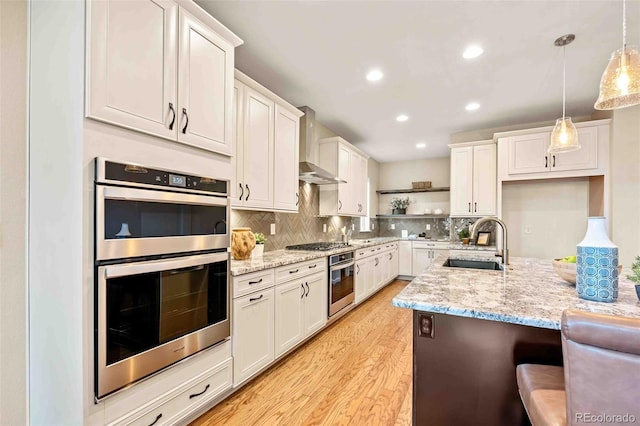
[110, 171]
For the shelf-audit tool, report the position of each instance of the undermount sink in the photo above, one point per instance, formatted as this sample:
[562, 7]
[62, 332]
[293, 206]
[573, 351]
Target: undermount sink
[473, 264]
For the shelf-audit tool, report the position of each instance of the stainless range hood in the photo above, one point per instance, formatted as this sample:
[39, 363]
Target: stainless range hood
[310, 172]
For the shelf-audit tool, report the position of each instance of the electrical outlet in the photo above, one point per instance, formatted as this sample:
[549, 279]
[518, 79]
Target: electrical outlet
[373, 226]
[324, 227]
[272, 229]
[393, 226]
[427, 227]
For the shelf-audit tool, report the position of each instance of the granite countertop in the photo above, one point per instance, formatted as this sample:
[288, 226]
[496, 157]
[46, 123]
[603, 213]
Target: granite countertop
[527, 292]
[272, 259]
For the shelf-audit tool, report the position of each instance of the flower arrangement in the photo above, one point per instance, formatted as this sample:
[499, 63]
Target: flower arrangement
[399, 203]
[260, 239]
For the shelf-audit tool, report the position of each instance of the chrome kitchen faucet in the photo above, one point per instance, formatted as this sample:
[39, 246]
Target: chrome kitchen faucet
[483, 220]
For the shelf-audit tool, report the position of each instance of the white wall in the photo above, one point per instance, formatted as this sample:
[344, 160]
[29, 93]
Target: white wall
[400, 174]
[13, 206]
[55, 212]
[625, 183]
[546, 218]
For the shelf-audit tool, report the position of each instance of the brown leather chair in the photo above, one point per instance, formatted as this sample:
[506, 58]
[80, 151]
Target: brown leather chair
[600, 382]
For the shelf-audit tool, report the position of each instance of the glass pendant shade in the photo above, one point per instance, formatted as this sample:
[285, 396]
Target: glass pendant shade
[620, 83]
[564, 137]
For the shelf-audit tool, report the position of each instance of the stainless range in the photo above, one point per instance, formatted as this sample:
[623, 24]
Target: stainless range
[341, 272]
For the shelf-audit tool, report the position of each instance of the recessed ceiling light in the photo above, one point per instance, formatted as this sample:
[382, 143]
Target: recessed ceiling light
[472, 52]
[421, 145]
[402, 118]
[375, 75]
[472, 106]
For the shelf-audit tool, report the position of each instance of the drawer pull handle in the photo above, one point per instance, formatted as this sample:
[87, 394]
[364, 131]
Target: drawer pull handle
[255, 282]
[312, 266]
[253, 299]
[158, 417]
[293, 272]
[173, 120]
[198, 394]
[308, 290]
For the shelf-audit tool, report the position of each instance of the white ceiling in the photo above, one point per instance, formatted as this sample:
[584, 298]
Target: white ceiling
[317, 53]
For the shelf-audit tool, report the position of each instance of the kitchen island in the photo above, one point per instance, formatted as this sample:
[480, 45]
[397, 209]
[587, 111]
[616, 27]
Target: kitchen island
[472, 327]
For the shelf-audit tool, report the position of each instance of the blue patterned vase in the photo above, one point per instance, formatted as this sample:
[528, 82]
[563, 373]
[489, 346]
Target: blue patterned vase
[597, 264]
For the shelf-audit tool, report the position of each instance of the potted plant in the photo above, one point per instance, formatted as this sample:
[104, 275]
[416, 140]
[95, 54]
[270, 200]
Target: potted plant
[463, 234]
[635, 276]
[399, 205]
[258, 251]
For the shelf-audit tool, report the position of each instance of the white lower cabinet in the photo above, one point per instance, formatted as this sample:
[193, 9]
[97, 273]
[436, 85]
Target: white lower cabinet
[301, 310]
[404, 258]
[176, 394]
[374, 268]
[423, 254]
[253, 334]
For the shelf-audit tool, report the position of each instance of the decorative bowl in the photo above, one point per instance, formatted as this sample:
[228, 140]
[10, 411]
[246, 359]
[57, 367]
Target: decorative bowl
[567, 270]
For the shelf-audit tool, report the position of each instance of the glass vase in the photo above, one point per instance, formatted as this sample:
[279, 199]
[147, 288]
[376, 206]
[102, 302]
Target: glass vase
[597, 264]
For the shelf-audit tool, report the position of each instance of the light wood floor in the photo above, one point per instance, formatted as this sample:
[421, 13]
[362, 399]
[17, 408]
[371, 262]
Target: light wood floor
[356, 372]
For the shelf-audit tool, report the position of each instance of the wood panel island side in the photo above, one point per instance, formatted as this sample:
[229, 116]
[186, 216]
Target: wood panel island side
[471, 328]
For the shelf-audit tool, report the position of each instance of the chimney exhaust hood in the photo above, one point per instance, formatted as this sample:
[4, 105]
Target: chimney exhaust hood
[310, 172]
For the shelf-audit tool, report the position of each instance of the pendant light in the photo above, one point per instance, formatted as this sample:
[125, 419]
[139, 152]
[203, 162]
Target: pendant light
[620, 83]
[564, 137]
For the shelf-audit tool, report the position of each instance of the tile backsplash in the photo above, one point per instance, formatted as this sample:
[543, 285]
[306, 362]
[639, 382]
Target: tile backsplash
[303, 227]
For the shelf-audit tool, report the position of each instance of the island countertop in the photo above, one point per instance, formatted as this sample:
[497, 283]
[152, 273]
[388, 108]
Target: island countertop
[527, 292]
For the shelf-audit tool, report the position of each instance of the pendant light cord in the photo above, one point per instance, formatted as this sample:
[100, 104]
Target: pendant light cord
[624, 25]
[564, 85]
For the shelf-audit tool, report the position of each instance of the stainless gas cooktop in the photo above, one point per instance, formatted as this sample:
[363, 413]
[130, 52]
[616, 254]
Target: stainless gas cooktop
[321, 246]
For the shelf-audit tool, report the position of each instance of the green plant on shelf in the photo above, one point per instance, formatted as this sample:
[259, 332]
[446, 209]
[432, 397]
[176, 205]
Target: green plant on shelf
[635, 268]
[399, 203]
[260, 239]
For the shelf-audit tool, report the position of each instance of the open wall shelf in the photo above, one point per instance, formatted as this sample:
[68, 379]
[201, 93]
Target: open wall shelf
[410, 191]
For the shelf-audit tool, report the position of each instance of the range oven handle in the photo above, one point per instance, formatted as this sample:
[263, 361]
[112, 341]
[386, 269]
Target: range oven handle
[122, 270]
[148, 195]
[342, 266]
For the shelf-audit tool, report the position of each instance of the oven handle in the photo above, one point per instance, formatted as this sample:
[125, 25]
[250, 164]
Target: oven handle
[342, 266]
[148, 195]
[122, 270]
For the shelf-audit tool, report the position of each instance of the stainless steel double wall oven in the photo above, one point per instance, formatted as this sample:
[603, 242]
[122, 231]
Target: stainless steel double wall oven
[161, 269]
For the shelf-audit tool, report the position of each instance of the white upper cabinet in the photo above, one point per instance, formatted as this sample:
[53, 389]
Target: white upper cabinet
[286, 158]
[205, 91]
[155, 68]
[348, 163]
[257, 151]
[474, 179]
[523, 154]
[266, 138]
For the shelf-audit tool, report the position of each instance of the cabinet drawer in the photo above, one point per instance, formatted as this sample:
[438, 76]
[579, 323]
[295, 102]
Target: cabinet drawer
[301, 269]
[438, 245]
[171, 408]
[248, 283]
[369, 251]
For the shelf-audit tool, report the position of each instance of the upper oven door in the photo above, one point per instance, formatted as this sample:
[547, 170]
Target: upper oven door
[133, 222]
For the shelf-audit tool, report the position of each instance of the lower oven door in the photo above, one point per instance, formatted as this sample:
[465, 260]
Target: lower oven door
[341, 290]
[152, 314]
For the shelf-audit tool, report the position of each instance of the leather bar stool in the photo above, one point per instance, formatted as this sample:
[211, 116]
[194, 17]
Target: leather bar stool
[600, 382]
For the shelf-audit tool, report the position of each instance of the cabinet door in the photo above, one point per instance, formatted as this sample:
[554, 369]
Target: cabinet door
[253, 323]
[404, 258]
[258, 150]
[584, 158]
[132, 65]
[378, 274]
[316, 305]
[421, 260]
[345, 190]
[289, 325]
[528, 153]
[395, 259]
[205, 88]
[361, 270]
[360, 176]
[286, 142]
[485, 180]
[237, 186]
[461, 181]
